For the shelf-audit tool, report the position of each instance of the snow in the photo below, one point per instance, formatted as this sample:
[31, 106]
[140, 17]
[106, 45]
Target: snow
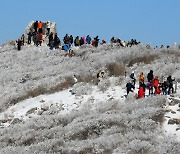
[84, 115]
[64, 99]
[69, 102]
[172, 129]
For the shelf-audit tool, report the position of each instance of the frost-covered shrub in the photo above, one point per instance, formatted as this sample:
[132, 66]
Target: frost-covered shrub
[53, 71]
[116, 81]
[82, 88]
[104, 85]
[108, 127]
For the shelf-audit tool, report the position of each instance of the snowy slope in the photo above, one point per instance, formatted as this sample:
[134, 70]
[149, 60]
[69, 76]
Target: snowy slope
[85, 117]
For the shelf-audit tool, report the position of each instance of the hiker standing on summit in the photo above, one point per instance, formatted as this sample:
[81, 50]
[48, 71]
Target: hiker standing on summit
[35, 26]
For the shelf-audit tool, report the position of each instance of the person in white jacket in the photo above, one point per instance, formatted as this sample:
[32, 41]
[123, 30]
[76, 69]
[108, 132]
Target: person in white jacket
[48, 25]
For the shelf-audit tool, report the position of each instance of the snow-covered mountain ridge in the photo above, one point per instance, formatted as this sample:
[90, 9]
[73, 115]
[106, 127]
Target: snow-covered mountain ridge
[96, 118]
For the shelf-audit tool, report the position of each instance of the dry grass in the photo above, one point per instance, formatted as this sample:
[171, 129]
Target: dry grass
[39, 91]
[115, 69]
[42, 90]
[144, 59]
[86, 79]
[35, 92]
[68, 83]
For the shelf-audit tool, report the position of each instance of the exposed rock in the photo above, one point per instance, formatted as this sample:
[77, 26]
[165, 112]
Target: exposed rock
[42, 101]
[171, 121]
[178, 110]
[173, 112]
[177, 129]
[31, 111]
[167, 110]
[172, 95]
[40, 112]
[44, 108]
[178, 121]
[30, 27]
[16, 121]
[176, 101]
[172, 103]
[174, 121]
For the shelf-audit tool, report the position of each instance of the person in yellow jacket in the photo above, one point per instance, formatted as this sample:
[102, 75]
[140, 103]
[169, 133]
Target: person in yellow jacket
[141, 78]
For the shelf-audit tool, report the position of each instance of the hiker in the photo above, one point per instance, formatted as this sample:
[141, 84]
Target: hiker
[19, 44]
[158, 90]
[164, 87]
[141, 92]
[50, 39]
[129, 87]
[35, 38]
[40, 27]
[93, 43]
[40, 38]
[150, 87]
[22, 39]
[71, 39]
[48, 28]
[81, 41]
[150, 76]
[142, 84]
[100, 76]
[88, 39]
[84, 39]
[112, 40]
[103, 42]
[170, 84]
[30, 34]
[56, 41]
[132, 77]
[66, 39]
[141, 78]
[96, 41]
[77, 41]
[35, 26]
[156, 83]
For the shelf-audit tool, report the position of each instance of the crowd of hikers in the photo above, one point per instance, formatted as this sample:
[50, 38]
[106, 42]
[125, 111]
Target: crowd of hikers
[153, 85]
[41, 31]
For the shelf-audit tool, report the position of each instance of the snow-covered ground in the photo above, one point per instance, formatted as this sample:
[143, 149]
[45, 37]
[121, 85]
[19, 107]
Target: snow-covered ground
[66, 102]
[85, 117]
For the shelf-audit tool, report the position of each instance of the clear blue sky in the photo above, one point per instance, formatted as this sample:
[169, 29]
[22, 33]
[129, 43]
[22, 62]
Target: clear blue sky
[148, 21]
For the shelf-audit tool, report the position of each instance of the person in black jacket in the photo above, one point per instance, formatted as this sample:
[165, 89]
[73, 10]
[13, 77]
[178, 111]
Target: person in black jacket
[96, 41]
[164, 87]
[35, 26]
[170, 84]
[150, 76]
[50, 39]
[71, 39]
[56, 41]
[30, 34]
[129, 87]
[19, 44]
[81, 41]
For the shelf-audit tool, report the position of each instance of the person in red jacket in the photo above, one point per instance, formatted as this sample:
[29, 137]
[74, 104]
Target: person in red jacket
[141, 92]
[158, 90]
[40, 27]
[156, 83]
